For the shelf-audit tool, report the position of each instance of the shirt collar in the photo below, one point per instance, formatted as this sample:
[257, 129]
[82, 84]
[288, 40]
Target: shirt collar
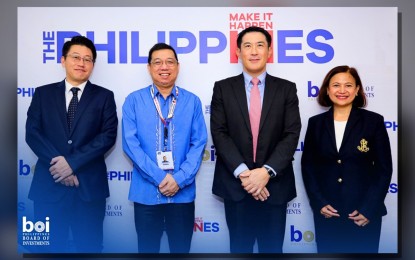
[173, 92]
[68, 86]
[248, 78]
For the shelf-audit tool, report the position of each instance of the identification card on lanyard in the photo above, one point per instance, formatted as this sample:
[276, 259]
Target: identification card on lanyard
[165, 160]
[165, 157]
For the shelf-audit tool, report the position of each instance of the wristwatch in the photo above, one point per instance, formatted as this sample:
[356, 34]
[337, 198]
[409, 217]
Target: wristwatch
[271, 173]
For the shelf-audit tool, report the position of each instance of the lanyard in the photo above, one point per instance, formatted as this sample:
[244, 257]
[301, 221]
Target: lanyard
[165, 121]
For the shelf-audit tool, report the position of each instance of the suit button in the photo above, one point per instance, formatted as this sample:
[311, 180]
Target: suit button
[339, 161]
[339, 180]
[69, 141]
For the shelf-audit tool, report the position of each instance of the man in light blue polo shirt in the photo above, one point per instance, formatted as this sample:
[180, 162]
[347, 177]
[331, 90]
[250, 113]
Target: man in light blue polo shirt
[164, 134]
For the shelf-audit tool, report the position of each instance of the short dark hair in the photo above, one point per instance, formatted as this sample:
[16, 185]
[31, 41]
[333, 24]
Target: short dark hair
[79, 40]
[324, 100]
[161, 46]
[253, 29]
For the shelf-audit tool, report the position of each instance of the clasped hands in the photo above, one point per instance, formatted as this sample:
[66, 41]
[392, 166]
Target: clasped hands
[254, 182]
[62, 172]
[168, 186]
[359, 219]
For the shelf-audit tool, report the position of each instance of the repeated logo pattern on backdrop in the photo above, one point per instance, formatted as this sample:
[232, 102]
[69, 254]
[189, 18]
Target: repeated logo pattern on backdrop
[307, 43]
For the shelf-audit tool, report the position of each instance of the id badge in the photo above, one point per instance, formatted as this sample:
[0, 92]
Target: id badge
[165, 160]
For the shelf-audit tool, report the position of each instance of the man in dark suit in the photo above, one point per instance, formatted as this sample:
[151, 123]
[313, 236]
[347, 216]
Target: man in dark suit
[70, 126]
[255, 134]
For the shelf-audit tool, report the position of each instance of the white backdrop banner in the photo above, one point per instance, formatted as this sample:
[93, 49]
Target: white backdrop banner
[307, 43]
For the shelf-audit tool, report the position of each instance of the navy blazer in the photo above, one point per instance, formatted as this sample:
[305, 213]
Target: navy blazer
[93, 133]
[279, 131]
[357, 176]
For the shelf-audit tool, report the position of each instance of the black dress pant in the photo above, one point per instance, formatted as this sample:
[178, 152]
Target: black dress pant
[250, 220]
[177, 219]
[84, 219]
[342, 235]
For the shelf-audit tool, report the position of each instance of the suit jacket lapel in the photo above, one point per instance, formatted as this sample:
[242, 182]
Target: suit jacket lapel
[329, 125]
[83, 103]
[269, 97]
[60, 100]
[354, 117]
[240, 94]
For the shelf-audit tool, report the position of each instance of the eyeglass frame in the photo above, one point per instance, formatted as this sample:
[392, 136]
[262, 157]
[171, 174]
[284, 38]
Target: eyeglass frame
[78, 58]
[169, 62]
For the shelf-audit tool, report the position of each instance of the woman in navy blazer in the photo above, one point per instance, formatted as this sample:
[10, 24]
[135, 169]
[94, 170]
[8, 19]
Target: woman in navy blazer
[346, 167]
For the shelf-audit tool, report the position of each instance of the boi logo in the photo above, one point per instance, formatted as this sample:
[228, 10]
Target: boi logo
[297, 235]
[210, 155]
[312, 90]
[39, 226]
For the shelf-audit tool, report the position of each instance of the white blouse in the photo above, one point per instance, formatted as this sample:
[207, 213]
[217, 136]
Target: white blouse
[339, 127]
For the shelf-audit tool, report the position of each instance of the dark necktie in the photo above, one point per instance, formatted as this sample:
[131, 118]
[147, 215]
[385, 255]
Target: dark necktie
[72, 107]
[255, 113]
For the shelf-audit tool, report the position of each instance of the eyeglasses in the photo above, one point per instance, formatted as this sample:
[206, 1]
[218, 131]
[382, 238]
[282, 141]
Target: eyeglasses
[169, 63]
[78, 58]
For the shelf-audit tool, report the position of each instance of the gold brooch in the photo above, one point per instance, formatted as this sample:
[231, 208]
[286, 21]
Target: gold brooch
[363, 146]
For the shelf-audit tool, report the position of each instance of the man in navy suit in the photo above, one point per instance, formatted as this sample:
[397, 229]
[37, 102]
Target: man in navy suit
[70, 186]
[255, 178]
